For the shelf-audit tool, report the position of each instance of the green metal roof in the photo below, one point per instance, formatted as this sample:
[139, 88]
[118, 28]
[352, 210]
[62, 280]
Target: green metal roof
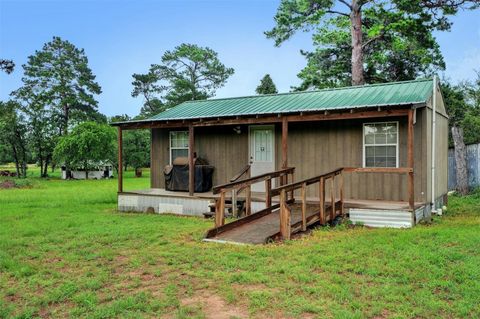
[387, 94]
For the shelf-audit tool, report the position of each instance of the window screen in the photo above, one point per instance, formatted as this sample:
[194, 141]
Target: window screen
[178, 144]
[381, 144]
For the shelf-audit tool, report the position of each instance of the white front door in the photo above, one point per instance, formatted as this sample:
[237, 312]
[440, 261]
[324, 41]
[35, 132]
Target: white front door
[262, 152]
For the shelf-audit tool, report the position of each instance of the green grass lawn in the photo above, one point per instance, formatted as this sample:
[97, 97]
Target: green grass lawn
[66, 252]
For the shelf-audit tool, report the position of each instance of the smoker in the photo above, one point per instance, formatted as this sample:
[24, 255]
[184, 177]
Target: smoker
[176, 175]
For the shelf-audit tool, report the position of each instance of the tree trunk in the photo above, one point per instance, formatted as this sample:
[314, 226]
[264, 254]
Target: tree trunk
[41, 166]
[24, 167]
[45, 169]
[17, 161]
[23, 154]
[357, 50]
[66, 117]
[460, 160]
[86, 170]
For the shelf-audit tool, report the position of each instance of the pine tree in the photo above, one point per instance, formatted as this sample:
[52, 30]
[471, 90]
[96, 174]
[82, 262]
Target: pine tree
[266, 86]
[189, 72]
[60, 74]
[364, 41]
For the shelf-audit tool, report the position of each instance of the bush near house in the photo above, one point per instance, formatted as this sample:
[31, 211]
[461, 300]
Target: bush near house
[66, 252]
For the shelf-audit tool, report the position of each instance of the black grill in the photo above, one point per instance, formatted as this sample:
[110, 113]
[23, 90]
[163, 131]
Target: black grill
[176, 175]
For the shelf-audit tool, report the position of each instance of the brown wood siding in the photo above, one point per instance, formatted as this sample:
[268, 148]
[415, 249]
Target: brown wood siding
[441, 149]
[159, 157]
[226, 150]
[428, 153]
[316, 148]
[223, 148]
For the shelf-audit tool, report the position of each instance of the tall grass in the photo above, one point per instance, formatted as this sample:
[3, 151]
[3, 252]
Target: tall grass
[66, 252]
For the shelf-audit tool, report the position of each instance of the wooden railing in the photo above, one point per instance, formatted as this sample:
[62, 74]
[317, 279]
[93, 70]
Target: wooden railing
[282, 175]
[327, 210]
[244, 172]
[336, 207]
[398, 170]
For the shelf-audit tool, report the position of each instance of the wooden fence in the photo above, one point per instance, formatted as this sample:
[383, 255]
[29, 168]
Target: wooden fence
[473, 167]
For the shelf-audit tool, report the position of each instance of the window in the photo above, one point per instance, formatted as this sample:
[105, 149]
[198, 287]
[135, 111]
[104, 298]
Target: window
[380, 144]
[178, 145]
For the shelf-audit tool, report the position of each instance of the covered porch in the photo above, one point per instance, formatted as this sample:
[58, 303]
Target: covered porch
[304, 206]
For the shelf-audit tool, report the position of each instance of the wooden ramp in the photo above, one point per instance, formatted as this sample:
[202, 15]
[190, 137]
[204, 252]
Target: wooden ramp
[264, 226]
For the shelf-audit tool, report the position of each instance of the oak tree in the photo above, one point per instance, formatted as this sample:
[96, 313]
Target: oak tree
[136, 145]
[87, 146]
[13, 135]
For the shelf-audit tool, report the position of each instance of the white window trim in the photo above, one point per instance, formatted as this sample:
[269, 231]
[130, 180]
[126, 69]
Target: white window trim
[170, 148]
[397, 145]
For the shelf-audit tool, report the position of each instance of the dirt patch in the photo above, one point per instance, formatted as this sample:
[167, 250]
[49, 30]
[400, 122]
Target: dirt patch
[250, 287]
[122, 259]
[7, 184]
[213, 306]
[385, 314]
[254, 287]
[56, 310]
[12, 298]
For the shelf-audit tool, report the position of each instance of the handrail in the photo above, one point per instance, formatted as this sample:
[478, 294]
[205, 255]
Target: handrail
[400, 170]
[244, 171]
[394, 170]
[252, 180]
[311, 180]
[246, 183]
[335, 206]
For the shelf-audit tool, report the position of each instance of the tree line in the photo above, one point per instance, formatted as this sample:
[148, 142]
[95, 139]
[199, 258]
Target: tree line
[53, 118]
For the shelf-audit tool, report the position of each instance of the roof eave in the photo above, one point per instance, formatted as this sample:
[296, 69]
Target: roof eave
[185, 121]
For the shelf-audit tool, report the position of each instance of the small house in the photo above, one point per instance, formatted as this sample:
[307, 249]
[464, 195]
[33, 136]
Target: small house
[375, 153]
[94, 171]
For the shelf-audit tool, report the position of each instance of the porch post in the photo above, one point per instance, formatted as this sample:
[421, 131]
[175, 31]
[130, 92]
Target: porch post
[284, 142]
[411, 194]
[191, 167]
[120, 160]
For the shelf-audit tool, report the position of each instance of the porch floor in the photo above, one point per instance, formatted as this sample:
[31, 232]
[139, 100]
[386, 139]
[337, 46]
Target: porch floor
[260, 197]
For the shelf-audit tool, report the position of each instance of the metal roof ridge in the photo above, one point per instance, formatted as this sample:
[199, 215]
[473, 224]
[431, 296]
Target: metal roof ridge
[304, 92]
[286, 112]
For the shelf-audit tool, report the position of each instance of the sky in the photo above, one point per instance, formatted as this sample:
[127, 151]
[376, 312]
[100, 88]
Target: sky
[124, 37]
